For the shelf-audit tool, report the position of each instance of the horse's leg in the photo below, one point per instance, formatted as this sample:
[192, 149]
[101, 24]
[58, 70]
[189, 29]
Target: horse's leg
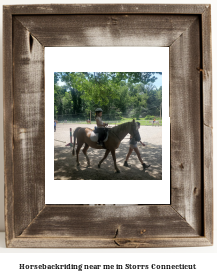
[85, 153]
[114, 158]
[77, 152]
[104, 157]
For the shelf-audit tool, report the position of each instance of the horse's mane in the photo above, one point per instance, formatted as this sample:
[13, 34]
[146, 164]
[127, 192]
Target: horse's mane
[120, 127]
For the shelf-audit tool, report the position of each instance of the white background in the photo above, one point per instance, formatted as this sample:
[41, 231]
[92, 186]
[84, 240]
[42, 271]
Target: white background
[204, 257]
[106, 59]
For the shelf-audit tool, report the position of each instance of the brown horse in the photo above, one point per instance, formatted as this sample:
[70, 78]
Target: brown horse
[115, 136]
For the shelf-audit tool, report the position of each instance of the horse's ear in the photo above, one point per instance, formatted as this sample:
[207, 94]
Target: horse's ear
[133, 120]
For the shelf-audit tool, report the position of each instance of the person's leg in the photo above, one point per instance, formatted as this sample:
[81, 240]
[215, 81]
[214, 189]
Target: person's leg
[129, 153]
[100, 136]
[140, 159]
[138, 154]
[127, 157]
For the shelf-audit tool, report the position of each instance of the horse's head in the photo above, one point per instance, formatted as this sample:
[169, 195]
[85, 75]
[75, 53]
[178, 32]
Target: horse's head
[134, 131]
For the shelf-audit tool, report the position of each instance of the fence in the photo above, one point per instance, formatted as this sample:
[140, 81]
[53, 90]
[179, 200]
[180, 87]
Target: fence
[110, 119]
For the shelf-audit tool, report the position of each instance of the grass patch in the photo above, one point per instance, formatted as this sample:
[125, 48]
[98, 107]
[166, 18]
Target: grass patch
[142, 121]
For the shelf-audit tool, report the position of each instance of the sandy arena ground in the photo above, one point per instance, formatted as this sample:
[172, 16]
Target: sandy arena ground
[65, 167]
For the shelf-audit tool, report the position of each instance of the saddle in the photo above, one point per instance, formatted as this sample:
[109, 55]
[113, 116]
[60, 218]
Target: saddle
[99, 135]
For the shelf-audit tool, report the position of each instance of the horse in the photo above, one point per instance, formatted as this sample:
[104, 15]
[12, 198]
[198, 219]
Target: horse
[154, 123]
[115, 136]
[88, 121]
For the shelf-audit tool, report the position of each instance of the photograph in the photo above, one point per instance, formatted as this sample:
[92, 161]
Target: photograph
[111, 123]
[108, 125]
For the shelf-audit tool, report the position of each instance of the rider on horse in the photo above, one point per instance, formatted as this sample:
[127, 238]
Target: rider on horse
[100, 125]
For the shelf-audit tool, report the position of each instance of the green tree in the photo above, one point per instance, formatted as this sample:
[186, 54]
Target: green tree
[154, 100]
[115, 92]
[67, 103]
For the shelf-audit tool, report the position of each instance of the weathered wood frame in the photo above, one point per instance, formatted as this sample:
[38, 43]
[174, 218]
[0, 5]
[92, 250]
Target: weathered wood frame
[186, 29]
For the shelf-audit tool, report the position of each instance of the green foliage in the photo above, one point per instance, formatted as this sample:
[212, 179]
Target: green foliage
[135, 113]
[56, 77]
[117, 93]
[63, 103]
[149, 117]
[67, 103]
[98, 88]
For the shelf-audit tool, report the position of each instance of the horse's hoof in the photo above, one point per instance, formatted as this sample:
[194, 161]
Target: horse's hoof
[98, 165]
[78, 164]
[118, 171]
[88, 165]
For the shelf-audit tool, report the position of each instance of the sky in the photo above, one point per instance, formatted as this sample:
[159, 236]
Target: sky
[158, 82]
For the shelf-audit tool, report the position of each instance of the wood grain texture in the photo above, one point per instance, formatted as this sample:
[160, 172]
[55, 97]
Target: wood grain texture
[29, 131]
[109, 222]
[186, 30]
[107, 30]
[207, 67]
[62, 242]
[106, 9]
[208, 183]
[185, 116]
[207, 122]
[8, 125]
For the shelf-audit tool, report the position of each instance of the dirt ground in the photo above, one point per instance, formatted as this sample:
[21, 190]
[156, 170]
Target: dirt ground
[65, 167]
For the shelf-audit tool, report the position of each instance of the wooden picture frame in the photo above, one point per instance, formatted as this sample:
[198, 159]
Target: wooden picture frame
[186, 30]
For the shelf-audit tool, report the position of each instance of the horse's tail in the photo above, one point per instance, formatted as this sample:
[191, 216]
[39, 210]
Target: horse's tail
[75, 136]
